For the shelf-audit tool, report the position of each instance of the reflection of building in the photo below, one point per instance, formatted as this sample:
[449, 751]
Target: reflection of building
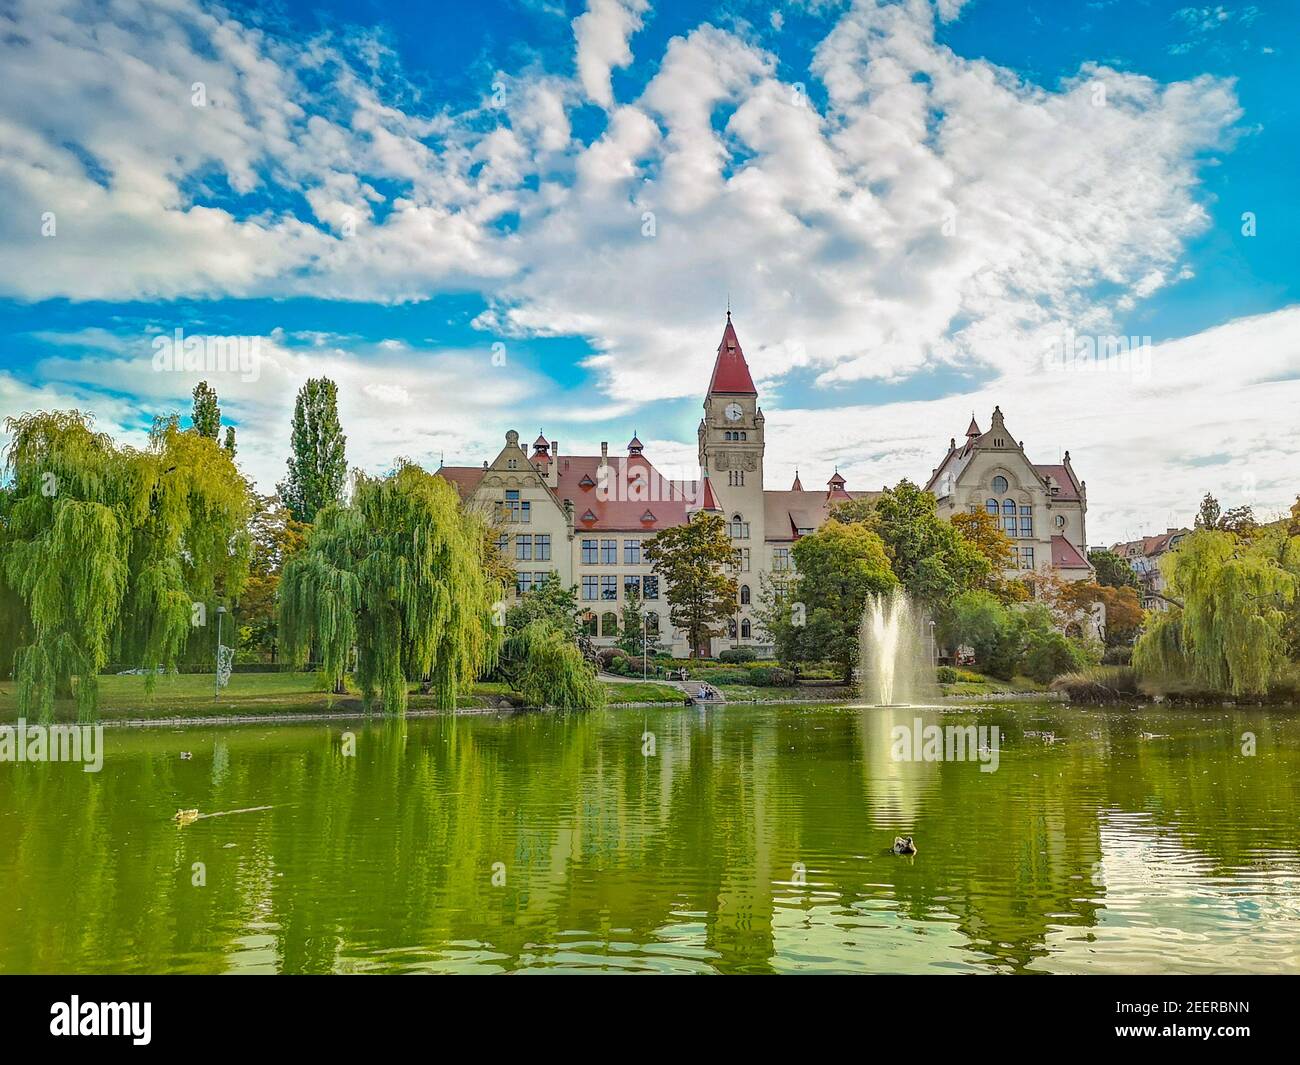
[1144, 557]
[1042, 508]
[585, 518]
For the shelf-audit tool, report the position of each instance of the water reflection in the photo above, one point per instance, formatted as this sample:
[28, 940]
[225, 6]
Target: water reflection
[755, 840]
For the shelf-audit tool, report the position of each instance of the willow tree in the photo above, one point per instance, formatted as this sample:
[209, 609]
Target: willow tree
[1227, 631]
[106, 550]
[398, 574]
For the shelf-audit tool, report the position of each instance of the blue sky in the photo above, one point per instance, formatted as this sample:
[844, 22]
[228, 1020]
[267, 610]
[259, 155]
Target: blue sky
[906, 203]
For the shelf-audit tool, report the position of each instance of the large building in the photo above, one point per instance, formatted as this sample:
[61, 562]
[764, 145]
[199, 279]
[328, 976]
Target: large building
[584, 518]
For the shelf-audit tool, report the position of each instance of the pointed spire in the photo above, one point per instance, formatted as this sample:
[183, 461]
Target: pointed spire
[730, 371]
[708, 502]
[634, 446]
[974, 429]
[798, 484]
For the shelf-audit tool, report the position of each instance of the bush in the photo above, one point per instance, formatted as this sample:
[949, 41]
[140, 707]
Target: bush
[1121, 655]
[606, 656]
[1100, 684]
[724, 676]
[770, 677]
[737, 655]
[1049, 654]
[946, 675]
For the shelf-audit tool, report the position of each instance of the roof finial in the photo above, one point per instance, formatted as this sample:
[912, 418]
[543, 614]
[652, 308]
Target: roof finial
[728, 304]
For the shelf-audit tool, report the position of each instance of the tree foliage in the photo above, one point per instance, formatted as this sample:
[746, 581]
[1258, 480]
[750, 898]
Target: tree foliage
[318, 463]
[984, 532]
[399, 574]
[546, 668]
[1112, 570]
[816, 616]
[930, 557]
[693, 561]
[276, 536]
[550, 602]
[112, 551]
[207, 414]
[1229, 635]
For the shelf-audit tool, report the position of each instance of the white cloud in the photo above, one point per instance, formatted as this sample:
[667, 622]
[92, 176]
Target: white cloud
[601, 37]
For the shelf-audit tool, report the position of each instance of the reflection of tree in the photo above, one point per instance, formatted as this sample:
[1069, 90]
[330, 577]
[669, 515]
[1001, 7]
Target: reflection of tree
[682, 860]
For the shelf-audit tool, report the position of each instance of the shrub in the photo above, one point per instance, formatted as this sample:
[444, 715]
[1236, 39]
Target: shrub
[1099, 684]
[606, 656]
[770, 677]
[725, 676]
[1049, 654]
[946, 675]
[736, 655]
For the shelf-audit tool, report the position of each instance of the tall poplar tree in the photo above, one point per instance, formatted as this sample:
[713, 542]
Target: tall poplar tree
[206, 414]
[318, 464]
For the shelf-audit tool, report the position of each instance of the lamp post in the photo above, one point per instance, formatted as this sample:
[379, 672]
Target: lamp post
[216, 681]
[934, 648]
[645, 644]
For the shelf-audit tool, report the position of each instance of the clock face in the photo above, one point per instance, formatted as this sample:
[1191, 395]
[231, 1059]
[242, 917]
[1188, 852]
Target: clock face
[733, 412]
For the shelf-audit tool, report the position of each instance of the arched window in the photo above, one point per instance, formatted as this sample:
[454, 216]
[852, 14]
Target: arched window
[1008, 506]
[1059, 521]
[1009, 517]
[999, 484]
[746, 630]
[652, 624]
[744, 595]
[731, 628]
[589, 624]
[991, 505]
[609, 623]
[739, 527]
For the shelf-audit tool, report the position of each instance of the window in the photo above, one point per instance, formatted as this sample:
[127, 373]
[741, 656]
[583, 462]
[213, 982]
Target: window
[631, 552]
[999, 484]
[512, 464]
[746, 629]
[744, 595]
[589, 624]
[523, 583]
[781, 559]
[731, 628]
[1026, 558]
[991, 505]
[609, 588]
[517, 510]
[740, 559]
[542, 547]
[1059, 521]
[631, 586]
[503, 543]
[589, 589]
[652, 624]
[739, 528]
[650, 587]
[524, 548]
[743, 435]
[609, 552]
[1026, 521]
[609, 623]
[539, 579]
[1008, 506]
[736, 478]
[589, 557]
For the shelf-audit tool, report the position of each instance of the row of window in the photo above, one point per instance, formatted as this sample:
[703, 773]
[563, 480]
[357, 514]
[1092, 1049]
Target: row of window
[595, 589]
[605, 552]
[735, 434]
[609, 624]
[1008, 510]
[515, 510]
[746, 628]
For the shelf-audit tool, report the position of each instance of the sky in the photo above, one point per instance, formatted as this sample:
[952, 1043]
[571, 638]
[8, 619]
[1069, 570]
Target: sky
[533, 214]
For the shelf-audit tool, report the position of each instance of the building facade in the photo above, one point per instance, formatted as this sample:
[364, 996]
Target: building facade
[1143, 557]
[585, 518]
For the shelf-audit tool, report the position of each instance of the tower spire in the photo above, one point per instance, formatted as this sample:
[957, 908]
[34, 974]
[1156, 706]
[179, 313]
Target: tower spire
[730, 371]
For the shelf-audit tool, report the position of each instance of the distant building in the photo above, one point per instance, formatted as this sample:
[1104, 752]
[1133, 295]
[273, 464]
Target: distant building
[1042, 508]
[1144, 557]
[585, 518]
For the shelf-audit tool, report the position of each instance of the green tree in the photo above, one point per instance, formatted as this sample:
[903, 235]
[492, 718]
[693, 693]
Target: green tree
[398, 574]
[230, 440]
[929, 556]
[107, 549]
[631, 636]
[318, 464]
[1112, 570]
[816, 617]
[1229, 633]
[547, 669]
[1207, 517]
[693, 560]
[550, 602]
[276, 537]
[984, 532]
[206, 415]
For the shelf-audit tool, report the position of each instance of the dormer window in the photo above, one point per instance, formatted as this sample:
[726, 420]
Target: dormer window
[586, 482]
[648, 517]
[589, 516]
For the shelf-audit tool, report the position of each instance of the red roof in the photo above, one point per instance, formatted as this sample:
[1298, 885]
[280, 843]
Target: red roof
[708, 501]
[730, 371]
[1066, 556]
[1062, 479]
[798, 484]
[632, 487]
[465, 478]
[973, 429]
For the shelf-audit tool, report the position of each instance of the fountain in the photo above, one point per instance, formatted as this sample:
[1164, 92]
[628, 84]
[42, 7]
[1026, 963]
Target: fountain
[896, 659]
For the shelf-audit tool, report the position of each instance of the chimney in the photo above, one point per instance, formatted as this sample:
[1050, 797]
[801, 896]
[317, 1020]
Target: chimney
[604, 454]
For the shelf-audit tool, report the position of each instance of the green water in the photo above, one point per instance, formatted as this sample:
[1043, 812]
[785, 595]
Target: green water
[755, 839]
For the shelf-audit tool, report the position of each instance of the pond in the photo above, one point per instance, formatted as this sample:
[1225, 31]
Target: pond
[737, 839]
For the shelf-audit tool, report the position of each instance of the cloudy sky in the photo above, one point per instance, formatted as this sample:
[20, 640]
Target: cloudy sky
[531, 214]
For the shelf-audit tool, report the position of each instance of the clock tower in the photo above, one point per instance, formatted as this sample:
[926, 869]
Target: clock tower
[731, 452]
